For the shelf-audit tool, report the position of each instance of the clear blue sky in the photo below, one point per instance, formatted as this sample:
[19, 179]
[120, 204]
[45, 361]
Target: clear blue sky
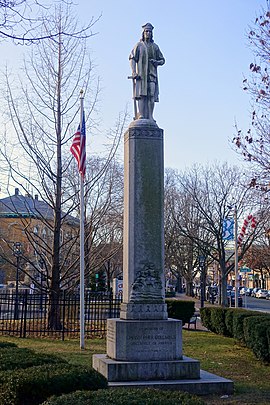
[206, 49]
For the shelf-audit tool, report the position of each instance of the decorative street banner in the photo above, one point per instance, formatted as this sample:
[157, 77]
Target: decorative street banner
[227, 229]
[250, 220]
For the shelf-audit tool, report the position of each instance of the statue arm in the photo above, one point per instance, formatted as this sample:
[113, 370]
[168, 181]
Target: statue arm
[133, 66]
[160, 60]
[133, 62]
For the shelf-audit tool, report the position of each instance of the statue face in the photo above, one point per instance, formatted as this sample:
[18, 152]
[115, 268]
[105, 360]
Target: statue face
[147, 34]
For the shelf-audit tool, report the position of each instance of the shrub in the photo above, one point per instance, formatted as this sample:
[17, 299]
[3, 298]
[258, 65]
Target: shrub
[256, 332]
[14, 358]
[238, 319]
[7, 344]
[182, 310]
[268, 337]
[123, 396]
[229, 321]
[218, 320]
[39, 383]
[205, 314]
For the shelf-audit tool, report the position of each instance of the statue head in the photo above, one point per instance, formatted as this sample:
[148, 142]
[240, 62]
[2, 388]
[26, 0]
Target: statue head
[148, 27]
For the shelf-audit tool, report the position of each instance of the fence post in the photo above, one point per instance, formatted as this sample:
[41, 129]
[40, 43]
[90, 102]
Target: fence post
[63, 297]
[24, 315]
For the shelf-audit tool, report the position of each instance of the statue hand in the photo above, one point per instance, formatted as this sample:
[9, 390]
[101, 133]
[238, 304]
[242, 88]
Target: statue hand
[154, 62]
[136, 76]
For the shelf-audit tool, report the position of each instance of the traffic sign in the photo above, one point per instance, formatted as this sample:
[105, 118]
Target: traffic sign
[245, 270]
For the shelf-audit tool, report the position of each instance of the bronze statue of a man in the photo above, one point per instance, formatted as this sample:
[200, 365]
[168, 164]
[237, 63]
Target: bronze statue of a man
[144, 59]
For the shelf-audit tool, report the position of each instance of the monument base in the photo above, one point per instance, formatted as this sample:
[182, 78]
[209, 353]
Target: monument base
[124, 371]
[207, 384]
[184, 375]
[144, 353]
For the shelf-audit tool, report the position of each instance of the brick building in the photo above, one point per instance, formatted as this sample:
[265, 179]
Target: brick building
[29, 221]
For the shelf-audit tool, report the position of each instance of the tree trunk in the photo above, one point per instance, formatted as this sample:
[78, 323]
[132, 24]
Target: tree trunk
[223, 291]
[189, 289]
[54, 309]
[54, 317]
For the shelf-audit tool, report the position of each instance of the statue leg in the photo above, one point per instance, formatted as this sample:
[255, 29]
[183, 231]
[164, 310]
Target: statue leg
[151, 105]
[151, 98]
[142, 105]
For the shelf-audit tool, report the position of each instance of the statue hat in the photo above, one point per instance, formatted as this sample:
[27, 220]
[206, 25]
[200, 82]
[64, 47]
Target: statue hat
[148, 26]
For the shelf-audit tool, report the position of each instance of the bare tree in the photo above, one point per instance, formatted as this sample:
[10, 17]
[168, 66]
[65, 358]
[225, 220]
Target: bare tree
[20, 20]
[204, 195]
[180, 252]
[104, 212]
[42, 115]
[254, 144]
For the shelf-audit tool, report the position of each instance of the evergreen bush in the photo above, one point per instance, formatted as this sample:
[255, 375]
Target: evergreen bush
[123, 396]
[12, 358]
[182, 310]
[36, 384]
[205, 314]
[238, 319]
[229, 321]
[4, 345]
[256, 334]
[218, 320]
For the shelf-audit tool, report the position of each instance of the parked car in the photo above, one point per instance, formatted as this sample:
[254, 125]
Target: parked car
[249, 291]
[253, 292]
[268, 295]
[242, 290]
[261, 293]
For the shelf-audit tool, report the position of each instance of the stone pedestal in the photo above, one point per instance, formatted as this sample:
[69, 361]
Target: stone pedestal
[145, 350]
[144, 340]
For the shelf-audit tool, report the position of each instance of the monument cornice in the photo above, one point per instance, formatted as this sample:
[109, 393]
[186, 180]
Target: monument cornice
[144, 132]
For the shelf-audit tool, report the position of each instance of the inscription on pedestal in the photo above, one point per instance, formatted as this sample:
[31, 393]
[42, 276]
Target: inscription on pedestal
[154, 339]
[141, 340]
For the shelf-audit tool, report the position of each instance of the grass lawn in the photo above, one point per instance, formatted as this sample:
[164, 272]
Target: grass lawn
[217, 354]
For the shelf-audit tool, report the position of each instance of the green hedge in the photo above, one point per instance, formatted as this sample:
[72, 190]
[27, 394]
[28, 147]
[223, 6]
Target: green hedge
[36, 384]
[218, 321]
[238, 322]
[182, 310]
[229, 313]
[12, 358]
[123, 396]
[205, 314]
[250, 327]
[256, 334]
[3, 345]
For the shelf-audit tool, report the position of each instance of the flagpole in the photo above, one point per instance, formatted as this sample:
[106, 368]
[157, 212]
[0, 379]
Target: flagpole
[82, 325]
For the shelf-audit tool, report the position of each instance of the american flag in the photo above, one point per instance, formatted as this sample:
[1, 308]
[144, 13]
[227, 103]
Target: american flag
[78, 147]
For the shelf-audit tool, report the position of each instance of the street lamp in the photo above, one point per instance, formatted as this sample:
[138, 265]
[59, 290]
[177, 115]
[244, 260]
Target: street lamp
[236, 257]
[235, 237]
[17, 251]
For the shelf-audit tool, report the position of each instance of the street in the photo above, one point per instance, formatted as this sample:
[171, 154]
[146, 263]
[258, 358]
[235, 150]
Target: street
[256, 304]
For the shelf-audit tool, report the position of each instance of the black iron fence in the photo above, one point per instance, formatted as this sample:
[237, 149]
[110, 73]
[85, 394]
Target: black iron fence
[26, 315]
